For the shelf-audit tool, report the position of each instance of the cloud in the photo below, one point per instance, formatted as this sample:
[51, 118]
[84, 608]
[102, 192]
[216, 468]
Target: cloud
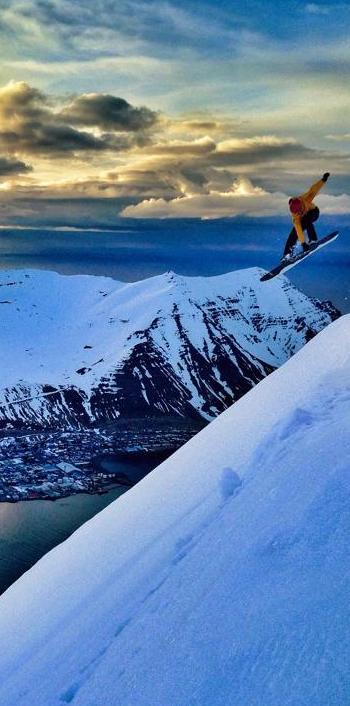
[235, 152]
[202, 165]
[175, 58]
[151, 164]
[46, 212]
[29, 125]
[32, 124]
[264, 148]
[198, 124]
[243, 198]
[143, 183]
[112, 28]
[107, 112]
[178, 148]
[334, 205]
[340, 137]
[10, 167]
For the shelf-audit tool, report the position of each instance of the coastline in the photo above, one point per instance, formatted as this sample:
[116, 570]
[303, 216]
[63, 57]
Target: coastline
[105, 473]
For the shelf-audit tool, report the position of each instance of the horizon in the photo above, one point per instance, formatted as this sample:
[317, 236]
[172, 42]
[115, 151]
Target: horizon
[188, 247]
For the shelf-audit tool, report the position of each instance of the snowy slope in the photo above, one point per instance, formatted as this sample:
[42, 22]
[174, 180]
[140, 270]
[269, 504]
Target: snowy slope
[221, 579]
[81, 348]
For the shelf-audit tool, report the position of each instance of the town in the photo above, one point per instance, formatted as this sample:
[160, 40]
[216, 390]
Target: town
[52, 464]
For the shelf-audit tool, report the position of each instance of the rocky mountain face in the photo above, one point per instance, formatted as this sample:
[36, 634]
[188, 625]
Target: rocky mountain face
[82, 350]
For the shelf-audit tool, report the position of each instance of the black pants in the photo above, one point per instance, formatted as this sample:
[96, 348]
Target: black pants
[307, 222]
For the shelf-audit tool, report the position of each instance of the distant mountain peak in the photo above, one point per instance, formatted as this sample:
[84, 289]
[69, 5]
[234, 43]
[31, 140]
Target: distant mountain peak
[169, 344]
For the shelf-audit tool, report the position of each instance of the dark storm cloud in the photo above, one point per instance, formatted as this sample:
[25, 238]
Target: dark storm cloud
[108, 112]
[31, 123]
[9, 167]
[35, 137]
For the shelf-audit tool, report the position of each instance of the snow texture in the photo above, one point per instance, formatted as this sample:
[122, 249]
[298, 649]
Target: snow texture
[221, 579]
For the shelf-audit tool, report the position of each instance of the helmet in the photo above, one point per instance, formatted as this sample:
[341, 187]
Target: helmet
[295, 205]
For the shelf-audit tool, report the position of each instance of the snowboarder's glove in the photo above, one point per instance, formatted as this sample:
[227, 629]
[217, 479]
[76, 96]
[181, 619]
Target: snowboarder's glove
[325, 176]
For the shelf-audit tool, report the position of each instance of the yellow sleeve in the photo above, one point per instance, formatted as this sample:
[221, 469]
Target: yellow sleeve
[298, 228]
[314, 189]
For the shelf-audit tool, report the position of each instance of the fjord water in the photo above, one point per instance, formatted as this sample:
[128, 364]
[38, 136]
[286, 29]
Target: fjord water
[29, 529]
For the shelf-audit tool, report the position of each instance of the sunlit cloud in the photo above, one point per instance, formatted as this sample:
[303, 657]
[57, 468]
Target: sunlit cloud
[242, 199]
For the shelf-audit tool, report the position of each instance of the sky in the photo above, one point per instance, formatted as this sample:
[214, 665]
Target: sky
[132, 109]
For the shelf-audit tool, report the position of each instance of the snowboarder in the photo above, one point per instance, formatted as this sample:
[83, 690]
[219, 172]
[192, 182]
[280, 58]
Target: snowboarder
[304, 214]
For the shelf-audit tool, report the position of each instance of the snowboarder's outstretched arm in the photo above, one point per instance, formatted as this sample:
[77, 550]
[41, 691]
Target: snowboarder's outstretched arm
[315, 188]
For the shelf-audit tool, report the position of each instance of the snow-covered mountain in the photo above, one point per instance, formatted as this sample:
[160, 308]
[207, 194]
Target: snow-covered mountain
[81, 349]
[222, 578]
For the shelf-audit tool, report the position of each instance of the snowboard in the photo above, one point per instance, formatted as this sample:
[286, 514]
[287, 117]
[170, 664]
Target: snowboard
[287, 265]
